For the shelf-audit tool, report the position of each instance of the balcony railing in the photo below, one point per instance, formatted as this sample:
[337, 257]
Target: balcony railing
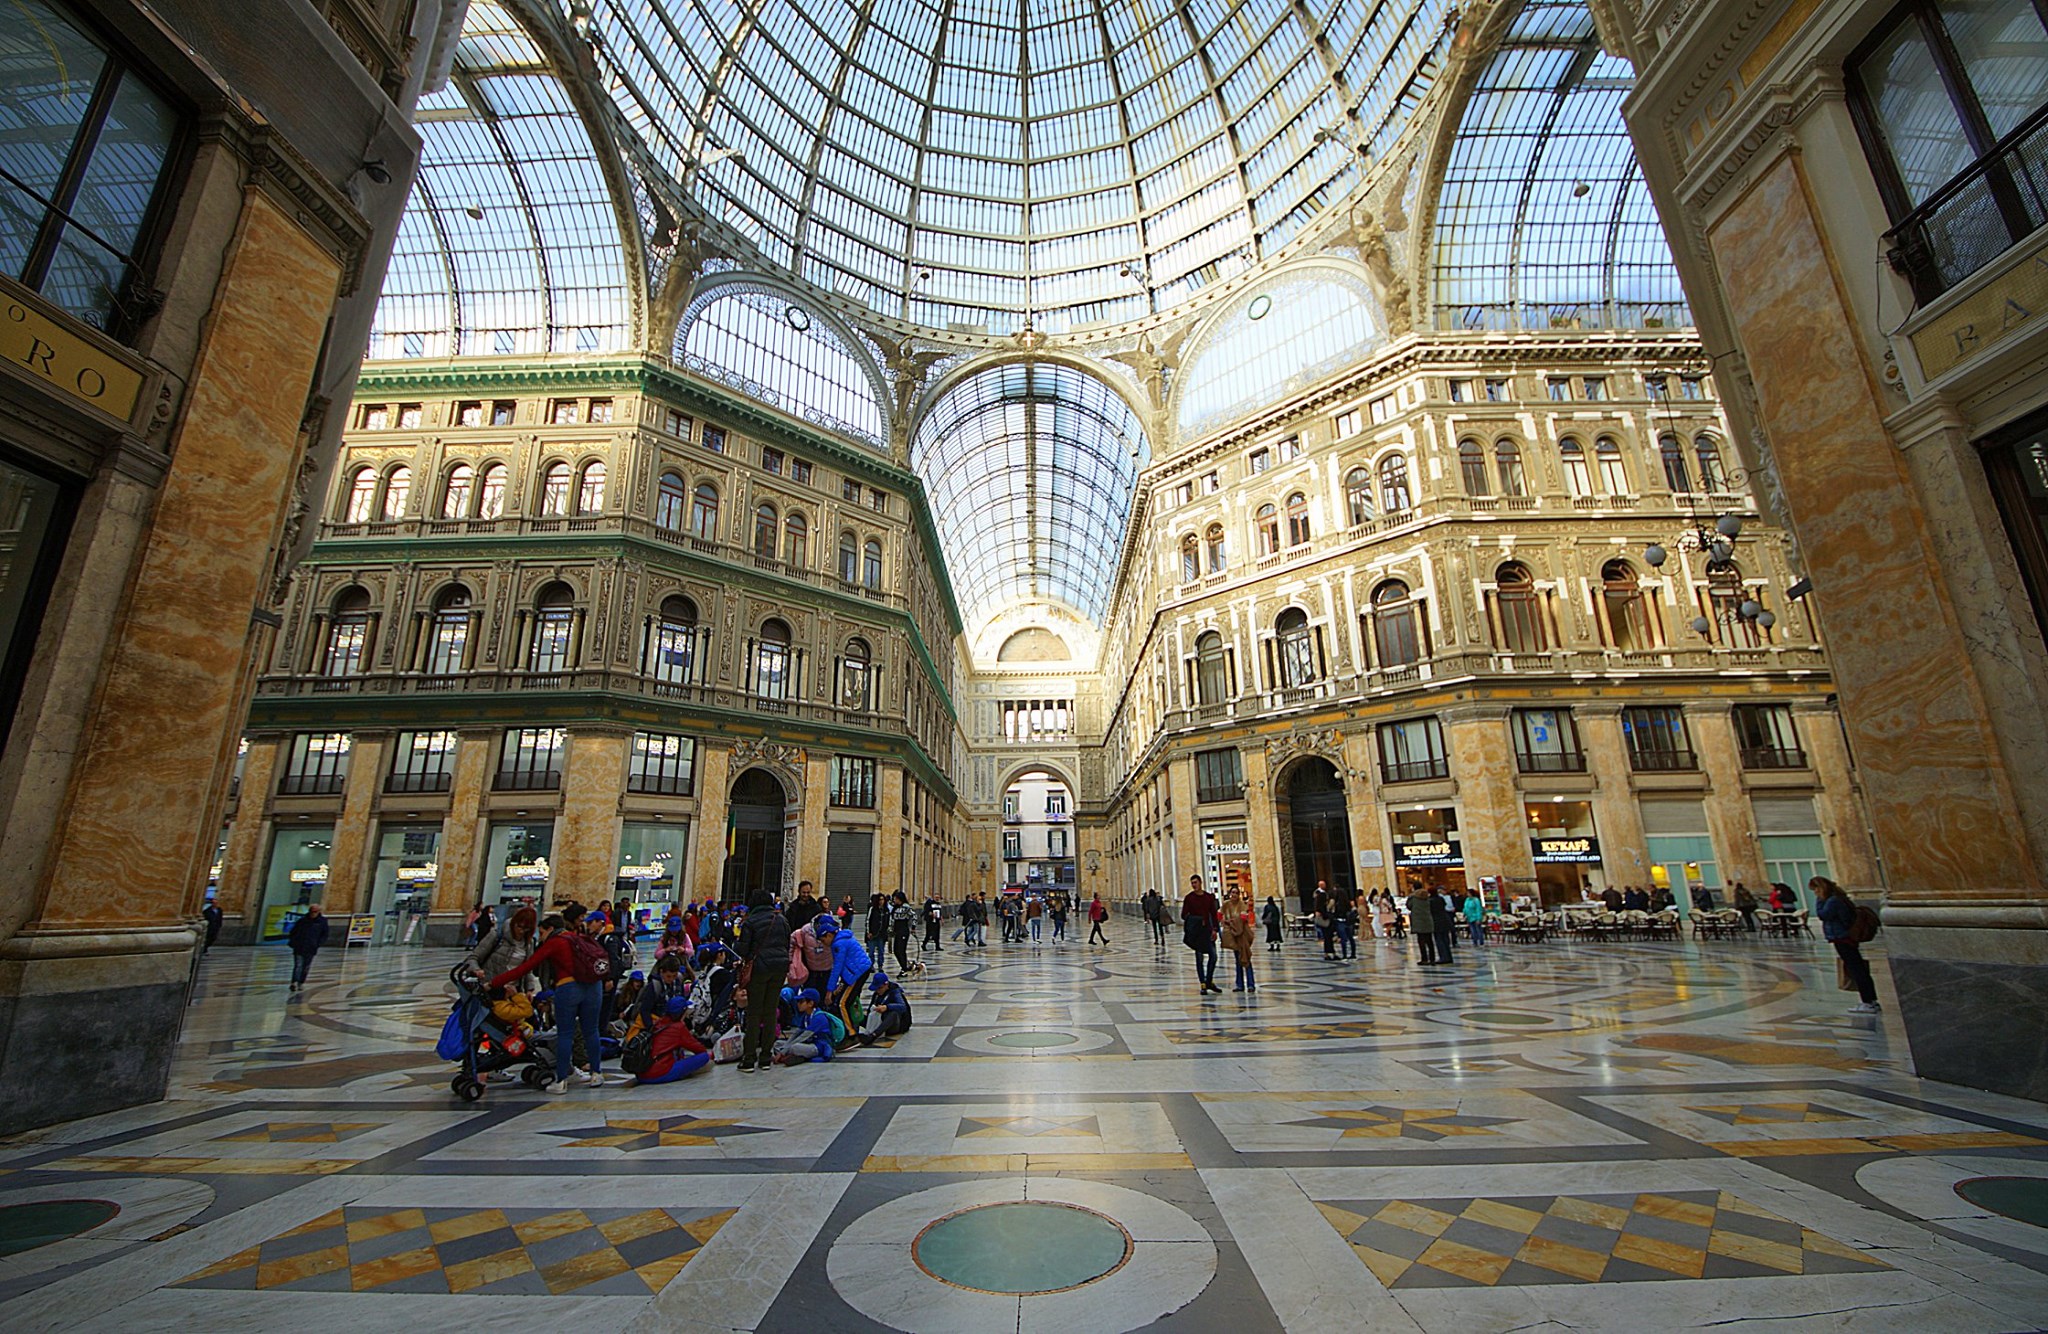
[528, 780]
[1663, 761]
[1990, 207]
[429, 782]
[1415, 771]
[1548, 762]
[1773, 757]
[311, 785]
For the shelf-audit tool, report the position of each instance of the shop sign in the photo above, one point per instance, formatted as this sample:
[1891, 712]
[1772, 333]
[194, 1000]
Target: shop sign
[1578, 849]
[66, 361]
[536, 869]
[316, 876]
[642, 872]
[1446, 852]
[362, 928]
[419, 875]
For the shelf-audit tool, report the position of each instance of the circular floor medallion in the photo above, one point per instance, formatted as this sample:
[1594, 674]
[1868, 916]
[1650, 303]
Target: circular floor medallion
[1507, 1018]
[1034, 1039]
[1022, 1249]
[24, 1227]
[2021, 1198]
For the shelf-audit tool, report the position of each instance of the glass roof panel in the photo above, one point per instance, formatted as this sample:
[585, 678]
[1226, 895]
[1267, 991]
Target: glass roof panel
[1543, 220]
[1282, 336]
[1186, 129]
[781, 353]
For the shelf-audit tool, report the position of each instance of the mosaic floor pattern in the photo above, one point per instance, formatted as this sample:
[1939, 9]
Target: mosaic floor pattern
[1518, 1141]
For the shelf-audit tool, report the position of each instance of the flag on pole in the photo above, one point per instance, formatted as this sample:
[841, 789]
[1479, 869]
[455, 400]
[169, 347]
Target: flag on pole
[732, 831]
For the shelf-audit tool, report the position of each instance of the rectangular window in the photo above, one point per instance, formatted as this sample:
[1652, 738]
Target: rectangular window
[1056, 805]
[1768, 737]
[422, 762]
[503, 410]
[1258, 461]
[1560, 387]
[600, 409]
[1290, 448]
[1657, 387]
[1657, 740]
[1013, 845]
[1413, 750]
[849, 490]
[1382, 409]
[878, 501]
[1459, 391]
[676, 423]
[374, 417]
[853, 781]
[771, 461]
[469, 414]
[714, 439]
[1596, 388]
[1497, 391]
[1547, 742]
[409, 416]
[800, 471]
[1689, 387]
[1212, 482]
[565, 412]
[662, 763]
[1184, 494]
[532, 759]
[1219, 775]
[317, 765]
[1055, 842]
[1348, 424]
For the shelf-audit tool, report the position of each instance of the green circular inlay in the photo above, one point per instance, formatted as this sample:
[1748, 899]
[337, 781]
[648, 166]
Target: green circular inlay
[1033, 1040]
[1021, 1248]
[23, 1227]
[1504, 1017]
[2021, 1198]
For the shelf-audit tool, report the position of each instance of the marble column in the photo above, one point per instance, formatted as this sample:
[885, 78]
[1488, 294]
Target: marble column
[707, 843]
[464, 837]
[890, 872]
[1187, 839]
[240, 894]
[812, 803]
[1731, 822]
[585, 865]
[1362, 809]
[1623, 847]
[1491, 825]
[350, 860]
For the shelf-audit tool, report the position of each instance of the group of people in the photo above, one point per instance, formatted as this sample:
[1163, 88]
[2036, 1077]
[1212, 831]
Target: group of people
[1021, 918]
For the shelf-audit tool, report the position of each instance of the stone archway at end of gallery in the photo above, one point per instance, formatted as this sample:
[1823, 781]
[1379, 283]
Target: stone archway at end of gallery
[1312, 819]
[763, 811]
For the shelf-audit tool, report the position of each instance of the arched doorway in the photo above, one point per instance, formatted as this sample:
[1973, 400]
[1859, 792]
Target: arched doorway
[1315, 823]
[757, 823]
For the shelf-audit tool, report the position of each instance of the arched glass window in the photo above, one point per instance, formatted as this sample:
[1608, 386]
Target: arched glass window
[590, 495]
[1628, 611]
[1613, 476]
[767, 523]
[796, 539]
[1297, 648]
[554, 619]
[1673, 454]
[674, 650]
[704, 512]
[871, 565]
[1190, 559]
[671, 499]
[455, 494]
[1571, 456]
[348, 632]
[849, 558]
[761, 344]
[1396, 637]
[1266, 524]
[1212, 669]
[1297, 520]
[490, 496]
[554, 491]
[1521, 615]
[398, 490]
[1219, 559]
[1713, 476]
[448, 632]
[1358, 496]
[1472, 469]
[1507, 461]
[362, 497]
[772, 677]
[1394, 497]
[856, 676]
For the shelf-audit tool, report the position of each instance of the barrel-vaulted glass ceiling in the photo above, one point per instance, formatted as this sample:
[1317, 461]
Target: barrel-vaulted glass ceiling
[509, 245]
[1030, 468]
[1543, 220]
[977, 164]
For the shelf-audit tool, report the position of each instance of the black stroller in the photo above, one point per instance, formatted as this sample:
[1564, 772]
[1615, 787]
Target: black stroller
[487, 1045]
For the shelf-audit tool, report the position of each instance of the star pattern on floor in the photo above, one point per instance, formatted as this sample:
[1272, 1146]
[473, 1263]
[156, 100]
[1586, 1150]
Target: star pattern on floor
[1429, 1124]
[630, 1134]
[1772, 1113]
[526, 1252]
[300, 1132]
[1028, 1127]
[1598, 1238]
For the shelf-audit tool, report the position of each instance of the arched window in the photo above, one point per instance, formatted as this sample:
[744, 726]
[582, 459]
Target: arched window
[856, 676]
[1725, 596]
[590, 495]
[1673, 455]
[1613, 476]
[1297, 648]
[554, 491]
[871, 565]
[456, 492]
[1396, 637]
[1358, 496]
[796, 539]
[1190, 559]
[767, 523]
[849, 558]
[772, 676]
[671, 500]
[1297, 520]
[554, 622]
[1521, 615]
[1394, 497]
[448, 632]
[1713, 476]
[1266, 524]
[1472, 469]
[1212, 669]
[1628, 611]
[674, 650]
[490, 496]
[362, 497]
[1507, 461]
[397, 490]
[704, 512]
[348, 631]
[1219, 559]
[1571, 456]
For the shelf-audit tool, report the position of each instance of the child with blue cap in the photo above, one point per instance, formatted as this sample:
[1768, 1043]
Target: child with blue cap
[810, 1038]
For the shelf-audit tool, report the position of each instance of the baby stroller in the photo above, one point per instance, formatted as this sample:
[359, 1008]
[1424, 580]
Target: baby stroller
[475, 1039]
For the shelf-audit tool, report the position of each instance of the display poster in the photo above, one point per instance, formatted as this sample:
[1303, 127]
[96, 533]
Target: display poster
[362, 928]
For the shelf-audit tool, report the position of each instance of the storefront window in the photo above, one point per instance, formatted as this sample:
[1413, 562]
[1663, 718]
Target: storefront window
[402, 887]
[1566, 850]
[517, 867]
[1427, 850]
[35, 513]
[653, 865]
[297, 876]
[1225, 848]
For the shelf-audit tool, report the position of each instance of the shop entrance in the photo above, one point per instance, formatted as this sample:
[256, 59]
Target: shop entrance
[759, 816]
[1314, 820]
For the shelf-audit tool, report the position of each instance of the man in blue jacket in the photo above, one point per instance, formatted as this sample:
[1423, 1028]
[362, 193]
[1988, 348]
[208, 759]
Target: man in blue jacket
[307, 935]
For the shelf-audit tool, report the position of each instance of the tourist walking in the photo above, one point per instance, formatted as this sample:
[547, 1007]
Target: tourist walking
[900, 918]
[1034, 910]
[1845, 927]
[1275, 921]
[211, 912]
[934, 918]
[306, 937]
[1059, 914]
[1154, 909]
[1475, 918]
[1237, 935]
[1344, 918]
[1446, 923]
[1098, 913]
[1422, 925]
[1199, 919]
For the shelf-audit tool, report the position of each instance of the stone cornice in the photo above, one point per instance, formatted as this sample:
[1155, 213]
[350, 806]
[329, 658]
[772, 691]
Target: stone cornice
[1764, 117]
[279, 171]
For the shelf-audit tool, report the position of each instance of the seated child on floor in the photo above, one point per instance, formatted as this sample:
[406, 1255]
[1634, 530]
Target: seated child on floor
[888, 1011]
[812, 1036]
[676, 1053]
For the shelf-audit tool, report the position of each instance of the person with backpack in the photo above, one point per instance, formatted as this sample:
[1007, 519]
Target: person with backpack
[667, 1051]
[812, 1037]
[1098, 913]
[1154, 908]
[1847, 926]
[580, 967]
[763, 951]
[1200, 916]
[306, 937]
[934, 918]
[901, 916]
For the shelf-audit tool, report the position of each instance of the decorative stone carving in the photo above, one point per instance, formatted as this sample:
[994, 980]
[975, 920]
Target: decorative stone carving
[1389, 284]
[1323, 742]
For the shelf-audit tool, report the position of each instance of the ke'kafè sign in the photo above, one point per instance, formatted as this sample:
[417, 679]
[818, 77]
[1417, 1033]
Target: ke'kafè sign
[1565, 849]
[1445, 852]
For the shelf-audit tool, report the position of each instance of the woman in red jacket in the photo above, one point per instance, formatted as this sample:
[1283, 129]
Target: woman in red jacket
[578, 997]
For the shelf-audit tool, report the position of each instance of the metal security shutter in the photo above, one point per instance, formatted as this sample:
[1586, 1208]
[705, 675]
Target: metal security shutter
[1666, 815]
[849, 866]
[1785, 815]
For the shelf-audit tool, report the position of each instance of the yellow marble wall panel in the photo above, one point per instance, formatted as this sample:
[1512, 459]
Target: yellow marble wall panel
[1187, 840]
[1841, 810]
[1491, 825]
[241, 881]
[462, 832]
[714, 799]
[889, 841]
[1615, 813]
[1365, 815]
[348, 886]
[1731, 822]
[174, 686]
[1262, 823]
[1929, 760]
[586, 860]
[810, 835]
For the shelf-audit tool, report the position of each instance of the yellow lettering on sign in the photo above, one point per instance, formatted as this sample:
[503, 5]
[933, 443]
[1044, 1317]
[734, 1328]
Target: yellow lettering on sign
[2016, 292]
[33, 342]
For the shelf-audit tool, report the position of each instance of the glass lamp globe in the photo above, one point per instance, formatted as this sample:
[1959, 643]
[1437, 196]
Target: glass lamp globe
[1751, 609]
[1729, 525]
[1655, 555]
[1700, 625]
[1766, 620]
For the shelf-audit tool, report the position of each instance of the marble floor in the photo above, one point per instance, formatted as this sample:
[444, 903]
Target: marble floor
[1543, 1136]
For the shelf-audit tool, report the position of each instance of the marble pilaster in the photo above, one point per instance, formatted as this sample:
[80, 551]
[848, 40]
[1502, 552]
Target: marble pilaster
[714, 799]
[810, 835]
[348, 887]
[1623, 847]
[889, 847]
[463, 845]
[1491, 823]
[1839, 800]
[241, 866]
[586, 856]
[1187, 840]
[1731, 822]
[1262, 824]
